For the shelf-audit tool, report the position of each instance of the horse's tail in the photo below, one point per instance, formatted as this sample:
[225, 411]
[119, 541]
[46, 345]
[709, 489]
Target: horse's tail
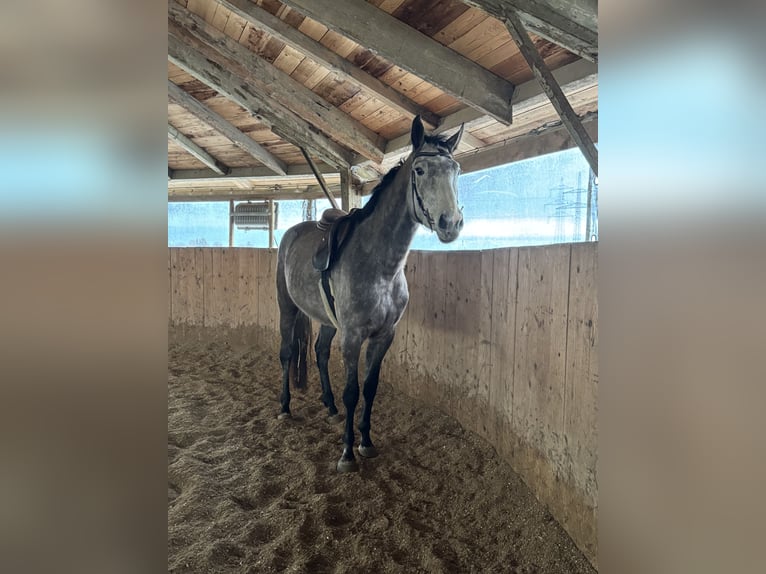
[299, 357]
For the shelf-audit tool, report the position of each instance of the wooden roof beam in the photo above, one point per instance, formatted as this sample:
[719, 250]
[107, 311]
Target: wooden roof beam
[552, 89]
[549, 140]
[273, 84]
[237, 88]
[196, 151]
[263, 20]
[571, 25]
[571, 77]
[236, 194]
[415, 52]
[226, 129]
[526, 146]
[251, 173]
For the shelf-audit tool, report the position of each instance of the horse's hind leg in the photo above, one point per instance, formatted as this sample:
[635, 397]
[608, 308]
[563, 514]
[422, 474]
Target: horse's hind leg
[351, 346]
[376, 350]
[322, 349]
[287, 317]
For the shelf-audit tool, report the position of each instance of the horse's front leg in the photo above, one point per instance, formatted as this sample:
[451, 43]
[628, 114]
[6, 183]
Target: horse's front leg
[376, 350]
[351, 346]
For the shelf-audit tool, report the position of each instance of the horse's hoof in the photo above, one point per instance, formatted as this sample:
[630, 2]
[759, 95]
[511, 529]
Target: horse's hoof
[335, 419]
[283, 416]
[347, 466]
[368, 451]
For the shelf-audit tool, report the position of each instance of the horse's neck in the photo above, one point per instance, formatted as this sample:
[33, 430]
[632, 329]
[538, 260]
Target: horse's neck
[390, 227]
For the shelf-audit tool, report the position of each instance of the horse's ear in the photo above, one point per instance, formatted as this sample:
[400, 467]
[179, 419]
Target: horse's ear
[455, 139]
[418, 133]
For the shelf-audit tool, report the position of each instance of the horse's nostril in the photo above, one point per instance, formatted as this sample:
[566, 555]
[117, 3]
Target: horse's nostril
[460, 224]
[444, 222]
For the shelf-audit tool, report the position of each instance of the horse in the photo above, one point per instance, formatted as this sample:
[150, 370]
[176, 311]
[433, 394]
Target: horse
[351, 279]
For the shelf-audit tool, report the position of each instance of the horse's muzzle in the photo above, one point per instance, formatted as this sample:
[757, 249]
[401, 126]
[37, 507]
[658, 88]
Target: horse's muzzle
[449, 227]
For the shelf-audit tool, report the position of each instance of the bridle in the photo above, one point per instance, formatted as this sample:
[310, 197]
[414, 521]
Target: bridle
[416, 195]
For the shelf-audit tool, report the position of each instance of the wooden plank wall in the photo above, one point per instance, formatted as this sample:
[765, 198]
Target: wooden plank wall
[223, 287]
[504, 340]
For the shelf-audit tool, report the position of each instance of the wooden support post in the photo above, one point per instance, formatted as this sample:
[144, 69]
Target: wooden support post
[231, 223]
[552, 89]
[271, 223]
[589, 223]
[349, 197]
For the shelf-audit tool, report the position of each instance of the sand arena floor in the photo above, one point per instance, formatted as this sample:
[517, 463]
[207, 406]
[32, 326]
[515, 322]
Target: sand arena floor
[249, 493]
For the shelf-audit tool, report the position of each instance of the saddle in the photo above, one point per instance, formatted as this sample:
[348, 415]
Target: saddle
[337, 226]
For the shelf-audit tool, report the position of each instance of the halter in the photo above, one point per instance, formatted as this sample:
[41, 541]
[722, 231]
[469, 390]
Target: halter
[416, 195]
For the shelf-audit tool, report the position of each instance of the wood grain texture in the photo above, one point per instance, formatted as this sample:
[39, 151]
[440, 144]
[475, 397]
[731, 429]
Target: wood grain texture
[573, 78]
[196, 150]
[483, 367]
[541, 331]
[187, 287]
[558, 21]
[523, 147]
[416, 279]
[225, 128]
[296, 40]
[273, 84]
[552, 89]
[238, 88]
[415, 52]
[503, 341]
[581, 397]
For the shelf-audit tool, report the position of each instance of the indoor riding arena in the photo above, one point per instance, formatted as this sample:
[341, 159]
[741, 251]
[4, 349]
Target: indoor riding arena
[485, 415]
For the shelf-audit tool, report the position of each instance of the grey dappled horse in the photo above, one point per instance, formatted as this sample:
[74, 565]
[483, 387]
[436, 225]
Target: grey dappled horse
[362, 291]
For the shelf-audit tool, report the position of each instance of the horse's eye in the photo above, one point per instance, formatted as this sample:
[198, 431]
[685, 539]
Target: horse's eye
[419, 170]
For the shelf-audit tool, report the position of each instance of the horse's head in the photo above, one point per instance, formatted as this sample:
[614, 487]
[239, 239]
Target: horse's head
[433, 193]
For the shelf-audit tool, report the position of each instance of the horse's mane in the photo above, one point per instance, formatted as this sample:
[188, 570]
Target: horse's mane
[435, 140]
[369, 207]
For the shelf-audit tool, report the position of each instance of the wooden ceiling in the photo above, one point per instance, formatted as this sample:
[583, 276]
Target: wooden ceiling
[251, 82]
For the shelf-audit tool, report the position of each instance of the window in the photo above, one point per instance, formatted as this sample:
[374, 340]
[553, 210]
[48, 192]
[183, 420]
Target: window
[547, 199]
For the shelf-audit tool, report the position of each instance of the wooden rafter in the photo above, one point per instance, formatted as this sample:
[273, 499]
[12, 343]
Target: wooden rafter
[237, 88]
[350, 199]
[236, 194]
[196, 151]
[273, 84]
[524, 147]
[415, 52]
[226, 129]
[246, 172]
[571, 77]
[263, 20]
[571, 25]
[552, 89]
